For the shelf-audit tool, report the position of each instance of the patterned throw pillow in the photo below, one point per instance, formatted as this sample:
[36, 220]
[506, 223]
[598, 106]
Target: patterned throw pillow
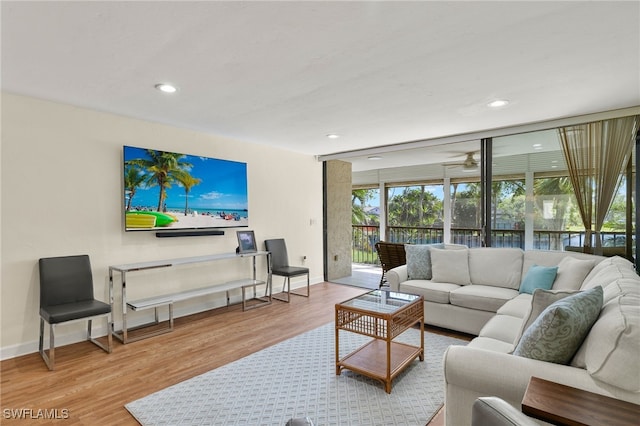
[419, 260]
[539, 302]
[538, 277]
[558, 332]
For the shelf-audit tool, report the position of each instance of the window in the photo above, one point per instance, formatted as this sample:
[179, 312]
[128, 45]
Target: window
[415, 213]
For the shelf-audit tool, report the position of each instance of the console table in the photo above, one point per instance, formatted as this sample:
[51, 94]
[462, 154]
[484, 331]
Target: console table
[168, 299]
[565, 405]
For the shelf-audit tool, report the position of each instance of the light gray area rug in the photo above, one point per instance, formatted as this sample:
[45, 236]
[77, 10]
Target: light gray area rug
[296, 378]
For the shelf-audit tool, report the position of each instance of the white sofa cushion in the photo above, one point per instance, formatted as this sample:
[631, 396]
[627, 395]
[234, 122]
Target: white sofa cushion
[450, 266]
[481, 297]
[606, 264]
[552, 258]
[502, 327]
[498, 267]
[572, 272]
[517, 307]
[431, 291]
[611, 350]
[490, 344]
[559, 331]
[621, 286]
[608, 271]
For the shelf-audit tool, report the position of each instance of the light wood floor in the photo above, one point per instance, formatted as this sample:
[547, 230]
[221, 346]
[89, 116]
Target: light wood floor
[94, 386]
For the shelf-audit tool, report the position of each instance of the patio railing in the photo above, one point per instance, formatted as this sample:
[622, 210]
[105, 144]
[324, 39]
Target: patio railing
[365, 237]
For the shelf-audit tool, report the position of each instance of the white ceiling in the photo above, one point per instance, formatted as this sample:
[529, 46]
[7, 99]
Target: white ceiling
[289, 73]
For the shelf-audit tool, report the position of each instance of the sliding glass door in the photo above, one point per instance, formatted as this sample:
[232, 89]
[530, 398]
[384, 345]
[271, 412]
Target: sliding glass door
[508, 191]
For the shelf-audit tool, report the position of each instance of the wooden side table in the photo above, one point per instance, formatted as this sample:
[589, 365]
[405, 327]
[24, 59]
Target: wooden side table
[565, 405]
[382, 315]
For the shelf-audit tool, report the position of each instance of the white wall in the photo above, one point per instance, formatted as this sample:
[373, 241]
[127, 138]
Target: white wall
[61, 195]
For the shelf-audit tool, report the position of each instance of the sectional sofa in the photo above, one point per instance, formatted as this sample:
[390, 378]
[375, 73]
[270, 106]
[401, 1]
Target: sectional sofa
[528, 311]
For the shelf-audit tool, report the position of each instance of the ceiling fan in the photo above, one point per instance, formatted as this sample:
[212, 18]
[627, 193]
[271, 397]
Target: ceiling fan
[469, 164]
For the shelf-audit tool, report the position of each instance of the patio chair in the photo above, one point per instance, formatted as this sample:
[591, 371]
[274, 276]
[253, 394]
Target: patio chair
[391, 255]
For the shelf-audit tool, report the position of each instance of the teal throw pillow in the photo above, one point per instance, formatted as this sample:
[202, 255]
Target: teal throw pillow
[419, 260]
[538, 277]
[558, 332]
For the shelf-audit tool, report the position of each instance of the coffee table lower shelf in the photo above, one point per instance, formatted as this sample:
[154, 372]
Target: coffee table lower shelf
[371, 360]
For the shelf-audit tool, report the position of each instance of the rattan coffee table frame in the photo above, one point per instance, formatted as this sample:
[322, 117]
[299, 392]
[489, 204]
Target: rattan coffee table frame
[381, 358]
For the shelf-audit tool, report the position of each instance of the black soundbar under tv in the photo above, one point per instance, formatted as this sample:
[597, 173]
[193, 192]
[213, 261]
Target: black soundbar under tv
[189, 233]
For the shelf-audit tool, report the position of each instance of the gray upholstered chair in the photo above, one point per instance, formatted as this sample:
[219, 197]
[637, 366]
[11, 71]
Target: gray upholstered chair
[280, 266]
[493, 411]
[66, 294]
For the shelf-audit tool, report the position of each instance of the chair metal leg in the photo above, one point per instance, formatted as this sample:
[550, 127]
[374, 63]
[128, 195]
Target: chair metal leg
[287, 283]
[41, 340]
[50, 358]
[302, 294]
[107, 348]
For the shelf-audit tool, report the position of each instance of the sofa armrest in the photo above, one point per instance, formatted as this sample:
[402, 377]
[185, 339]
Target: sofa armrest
[396, 276]
[492, 411]
[471, 373]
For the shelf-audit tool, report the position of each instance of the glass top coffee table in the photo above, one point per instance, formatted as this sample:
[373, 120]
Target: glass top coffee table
[382, 315]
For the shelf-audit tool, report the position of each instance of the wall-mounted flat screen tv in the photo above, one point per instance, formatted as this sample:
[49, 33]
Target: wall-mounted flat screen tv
[167, 190]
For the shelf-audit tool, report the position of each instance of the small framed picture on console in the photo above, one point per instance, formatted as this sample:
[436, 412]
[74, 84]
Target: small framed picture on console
[246, 242]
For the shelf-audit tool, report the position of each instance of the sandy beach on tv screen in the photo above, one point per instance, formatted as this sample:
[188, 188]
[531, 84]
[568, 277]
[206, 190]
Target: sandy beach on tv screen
[196, 220]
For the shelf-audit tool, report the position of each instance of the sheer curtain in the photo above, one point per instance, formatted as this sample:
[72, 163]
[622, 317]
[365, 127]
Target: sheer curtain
[596, 155]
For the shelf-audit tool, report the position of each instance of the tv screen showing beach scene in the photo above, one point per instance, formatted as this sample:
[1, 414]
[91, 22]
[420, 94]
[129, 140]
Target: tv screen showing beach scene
[168, 190]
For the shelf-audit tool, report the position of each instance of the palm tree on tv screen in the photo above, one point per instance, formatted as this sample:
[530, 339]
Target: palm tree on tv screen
[162, 168]
[187, 182]
[133, 179]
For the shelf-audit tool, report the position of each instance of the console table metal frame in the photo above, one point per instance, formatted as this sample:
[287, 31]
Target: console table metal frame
[168, 299]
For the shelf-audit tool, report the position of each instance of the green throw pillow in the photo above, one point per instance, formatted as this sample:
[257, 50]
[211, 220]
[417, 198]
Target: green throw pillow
[419, 260]
[538, 277]
[558, 332]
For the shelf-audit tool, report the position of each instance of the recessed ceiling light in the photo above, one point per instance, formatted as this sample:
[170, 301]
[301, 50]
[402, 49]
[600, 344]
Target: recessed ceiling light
[498, 103]
[333, 136]
[167, 88]
[375, 157]
[537, 146]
